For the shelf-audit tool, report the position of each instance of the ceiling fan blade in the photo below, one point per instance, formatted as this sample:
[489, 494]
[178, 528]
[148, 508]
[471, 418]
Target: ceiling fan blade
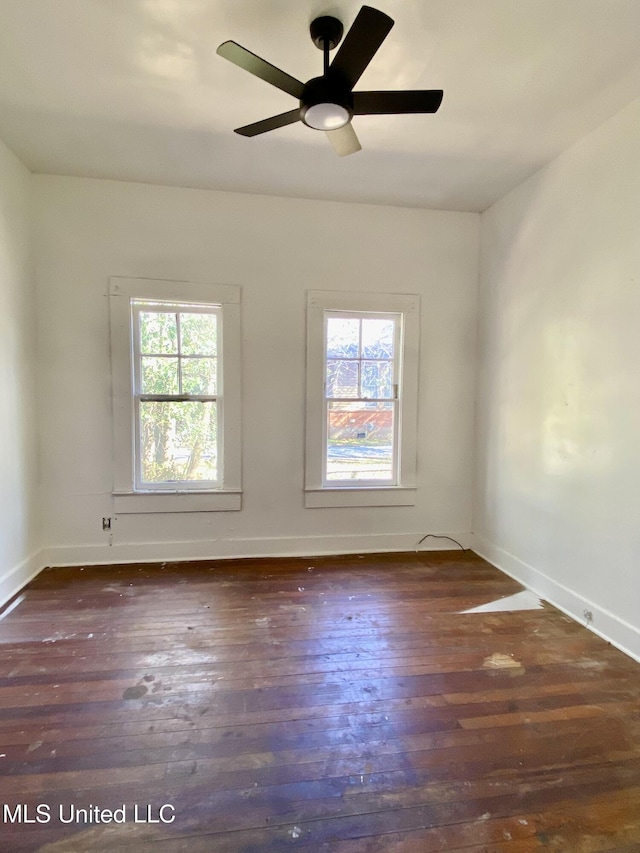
[260, 68]
[367, 33]
[271, 123]
[388, 103]
[344, 140]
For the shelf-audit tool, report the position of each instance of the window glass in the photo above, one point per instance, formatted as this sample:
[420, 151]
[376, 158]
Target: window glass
[377, 338]
[343, 337]
[360, 441]
[199, 375]
[159, 375]
[178, 442]
[158, 332]
[198, 334]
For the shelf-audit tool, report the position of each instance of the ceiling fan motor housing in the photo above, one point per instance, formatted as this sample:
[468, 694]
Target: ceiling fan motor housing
[326, 96]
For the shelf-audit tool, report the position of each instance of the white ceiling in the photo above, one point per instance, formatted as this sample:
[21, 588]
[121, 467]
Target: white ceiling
[133, 90]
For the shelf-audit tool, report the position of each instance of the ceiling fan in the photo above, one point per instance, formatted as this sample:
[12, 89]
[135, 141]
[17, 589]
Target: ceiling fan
[329, 103]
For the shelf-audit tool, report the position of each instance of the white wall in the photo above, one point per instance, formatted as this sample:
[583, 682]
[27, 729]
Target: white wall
[19, 535]
[558, 436]
[276, 249]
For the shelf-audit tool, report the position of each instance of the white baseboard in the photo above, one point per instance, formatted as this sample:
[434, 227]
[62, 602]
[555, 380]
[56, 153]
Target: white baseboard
[12, 581]
[605, 624]
[213, 549]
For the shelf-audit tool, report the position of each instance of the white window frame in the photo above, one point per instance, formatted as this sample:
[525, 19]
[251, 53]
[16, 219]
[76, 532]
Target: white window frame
[402, 491]
[130, 496]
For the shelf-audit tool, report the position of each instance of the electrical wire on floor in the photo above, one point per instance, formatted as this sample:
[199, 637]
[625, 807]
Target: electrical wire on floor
[435, 536]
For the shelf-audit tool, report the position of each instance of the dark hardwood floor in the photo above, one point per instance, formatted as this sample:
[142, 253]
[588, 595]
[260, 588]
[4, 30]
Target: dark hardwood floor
[339, 704]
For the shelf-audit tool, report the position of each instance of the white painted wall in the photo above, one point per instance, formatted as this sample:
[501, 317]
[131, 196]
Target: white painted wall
[558, 434]
[19, 534]
[275, 249]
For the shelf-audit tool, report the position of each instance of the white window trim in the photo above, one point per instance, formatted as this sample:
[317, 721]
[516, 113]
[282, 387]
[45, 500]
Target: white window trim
[127, 499]
[317, 494]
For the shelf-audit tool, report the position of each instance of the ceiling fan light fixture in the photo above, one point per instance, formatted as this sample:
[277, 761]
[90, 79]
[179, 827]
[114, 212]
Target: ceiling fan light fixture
[325, 104]
[326, 116]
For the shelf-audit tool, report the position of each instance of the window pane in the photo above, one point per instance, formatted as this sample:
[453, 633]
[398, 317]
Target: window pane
[343, 337]
[342, 379]
[377, 379]
[158, 332]
[377, 338]
[199, 375]
[159, 375]
[199, 334]
[360, 441]
[178, 441]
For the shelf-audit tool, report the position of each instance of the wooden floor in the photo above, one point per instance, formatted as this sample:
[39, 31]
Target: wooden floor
[320, 704]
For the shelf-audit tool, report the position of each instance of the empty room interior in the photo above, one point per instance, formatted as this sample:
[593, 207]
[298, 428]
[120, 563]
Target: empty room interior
[320, 487]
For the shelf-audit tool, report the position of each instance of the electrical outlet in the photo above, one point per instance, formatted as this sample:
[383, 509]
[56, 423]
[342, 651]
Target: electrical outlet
[106, 524]
[588, 615]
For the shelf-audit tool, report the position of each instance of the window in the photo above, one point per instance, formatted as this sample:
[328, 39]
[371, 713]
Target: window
[175, 360]
[175, 395]
[360, 441]
[362, 358]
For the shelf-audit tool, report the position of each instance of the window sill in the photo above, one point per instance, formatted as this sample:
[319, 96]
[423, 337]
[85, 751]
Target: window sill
[365, 496]
[147, 502]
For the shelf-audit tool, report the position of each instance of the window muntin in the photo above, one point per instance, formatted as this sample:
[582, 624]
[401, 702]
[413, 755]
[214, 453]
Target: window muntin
[176, 395]
[362, 356]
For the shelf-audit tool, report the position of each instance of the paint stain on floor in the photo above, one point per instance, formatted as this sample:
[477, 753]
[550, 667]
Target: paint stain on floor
[500, 662]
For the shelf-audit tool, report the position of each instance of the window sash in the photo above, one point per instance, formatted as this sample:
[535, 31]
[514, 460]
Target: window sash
[361, 482]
